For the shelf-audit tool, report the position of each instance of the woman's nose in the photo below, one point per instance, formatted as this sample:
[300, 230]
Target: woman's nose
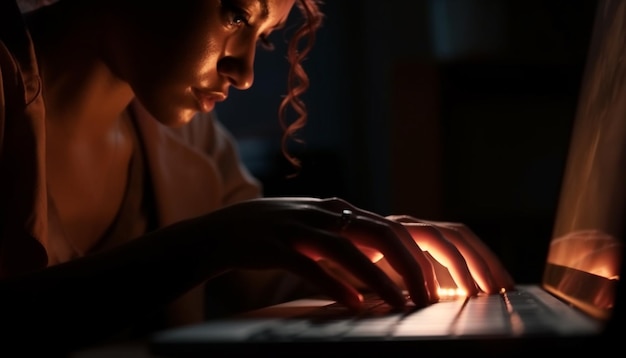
[238, 67]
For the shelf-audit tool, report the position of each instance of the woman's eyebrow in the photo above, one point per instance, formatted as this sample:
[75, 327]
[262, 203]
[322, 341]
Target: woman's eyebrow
[265, 11]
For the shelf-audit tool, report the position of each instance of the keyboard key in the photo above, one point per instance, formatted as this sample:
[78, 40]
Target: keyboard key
[431, 321]
[485, 314]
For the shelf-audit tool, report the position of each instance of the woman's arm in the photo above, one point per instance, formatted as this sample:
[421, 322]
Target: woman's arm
[98, 295]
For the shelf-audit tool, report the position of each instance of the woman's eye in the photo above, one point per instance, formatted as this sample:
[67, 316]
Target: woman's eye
[234, 14]
[238, 20]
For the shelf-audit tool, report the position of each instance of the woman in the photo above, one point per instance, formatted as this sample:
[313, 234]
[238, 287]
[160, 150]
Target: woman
[121, 193]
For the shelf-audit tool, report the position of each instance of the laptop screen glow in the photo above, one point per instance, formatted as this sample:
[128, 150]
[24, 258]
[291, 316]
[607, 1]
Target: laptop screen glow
[586, 251]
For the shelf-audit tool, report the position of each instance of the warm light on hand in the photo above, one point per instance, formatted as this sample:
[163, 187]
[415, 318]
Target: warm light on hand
[451, 292]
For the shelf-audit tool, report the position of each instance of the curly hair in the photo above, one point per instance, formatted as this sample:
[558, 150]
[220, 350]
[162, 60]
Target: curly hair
[298, 80]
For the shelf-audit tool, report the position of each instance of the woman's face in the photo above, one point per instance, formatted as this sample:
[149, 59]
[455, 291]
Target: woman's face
[182, 57]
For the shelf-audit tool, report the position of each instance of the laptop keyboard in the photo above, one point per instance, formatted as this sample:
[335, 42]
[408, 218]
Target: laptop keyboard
[527, 311]
[505, 314]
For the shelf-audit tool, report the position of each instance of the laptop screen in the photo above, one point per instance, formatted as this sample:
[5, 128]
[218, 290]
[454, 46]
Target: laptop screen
[585, 254]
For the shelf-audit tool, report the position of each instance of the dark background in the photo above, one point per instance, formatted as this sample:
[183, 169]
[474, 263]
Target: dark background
[441, 109]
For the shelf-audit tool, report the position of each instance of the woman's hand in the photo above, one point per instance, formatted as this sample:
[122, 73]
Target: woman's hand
[457, 248]
[298, 234]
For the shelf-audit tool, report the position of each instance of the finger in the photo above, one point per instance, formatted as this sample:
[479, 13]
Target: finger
[317, 244]
[485, 267]
[404, 219]
[430, 239]
[401, 252]
[425, 263]
[429, 279]
[428, 270]
[391, 239]
[498, 272]
[478, 266]
[333, 286]
[276, 253]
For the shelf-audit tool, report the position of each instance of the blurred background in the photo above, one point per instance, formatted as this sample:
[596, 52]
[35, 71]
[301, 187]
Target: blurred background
[455, 110]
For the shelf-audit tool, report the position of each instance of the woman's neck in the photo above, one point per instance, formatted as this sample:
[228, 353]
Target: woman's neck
[81, 92]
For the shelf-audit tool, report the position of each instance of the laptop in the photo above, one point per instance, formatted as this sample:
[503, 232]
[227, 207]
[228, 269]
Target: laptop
[577, 305]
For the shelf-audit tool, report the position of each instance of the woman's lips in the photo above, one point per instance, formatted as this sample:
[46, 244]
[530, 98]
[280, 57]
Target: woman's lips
[206, 99]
